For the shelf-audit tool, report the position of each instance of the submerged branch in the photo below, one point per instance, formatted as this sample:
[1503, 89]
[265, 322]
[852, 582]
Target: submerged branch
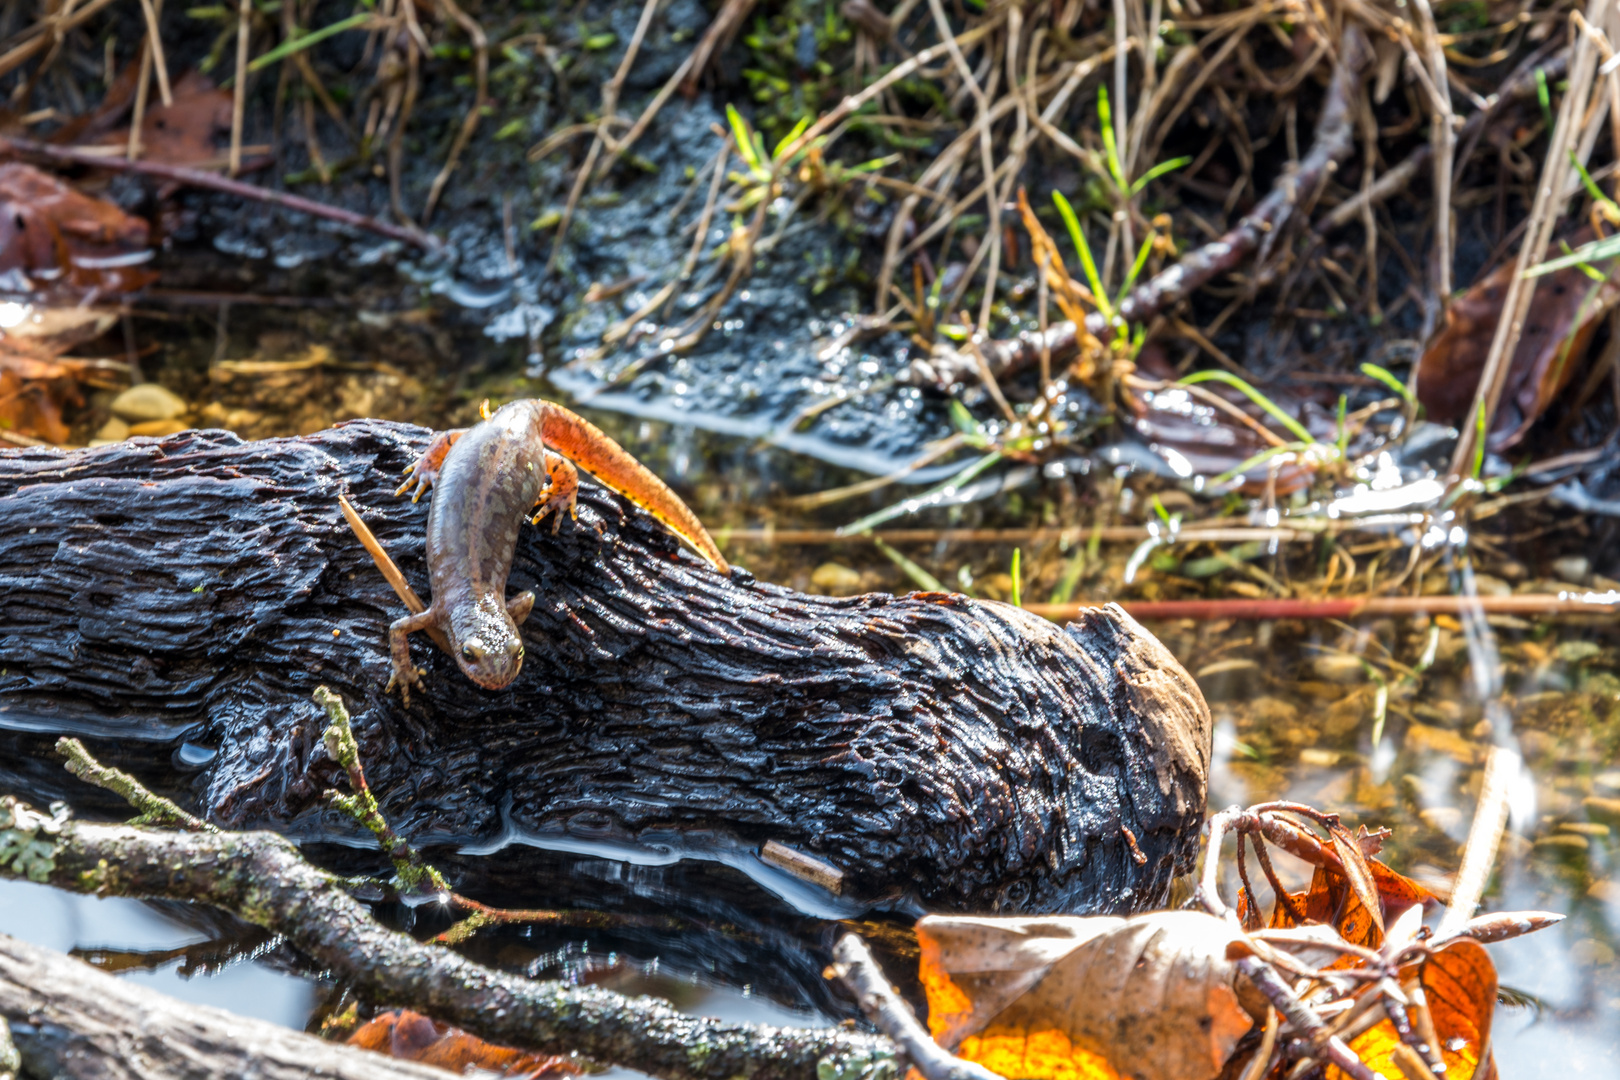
[77, 1021]
[262, 878]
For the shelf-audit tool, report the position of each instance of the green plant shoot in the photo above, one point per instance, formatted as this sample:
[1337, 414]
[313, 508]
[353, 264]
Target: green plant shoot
[1083, 249]
[1294, 426]
[1385, 376]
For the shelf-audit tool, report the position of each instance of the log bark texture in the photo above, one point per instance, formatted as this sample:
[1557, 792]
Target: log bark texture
[71, 1021]
[196, 589]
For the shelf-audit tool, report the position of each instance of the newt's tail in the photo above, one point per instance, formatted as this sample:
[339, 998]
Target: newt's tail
[587, 446]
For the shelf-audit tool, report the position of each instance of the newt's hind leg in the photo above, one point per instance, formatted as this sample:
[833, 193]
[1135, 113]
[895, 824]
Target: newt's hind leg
[560, 493]
[589, 448]
[425, 469]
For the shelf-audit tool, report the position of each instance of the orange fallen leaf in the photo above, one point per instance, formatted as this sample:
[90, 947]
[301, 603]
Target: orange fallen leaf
[1459, 985]
[1153, 997]
[410, 1036]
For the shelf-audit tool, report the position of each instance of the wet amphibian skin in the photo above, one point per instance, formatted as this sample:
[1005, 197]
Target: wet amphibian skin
[488, 479]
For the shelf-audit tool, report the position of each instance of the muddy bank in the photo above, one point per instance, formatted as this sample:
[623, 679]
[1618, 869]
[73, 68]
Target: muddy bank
[960, 753]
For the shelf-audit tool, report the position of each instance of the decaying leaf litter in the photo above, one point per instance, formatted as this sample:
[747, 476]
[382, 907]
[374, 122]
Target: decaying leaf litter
[1081, 444]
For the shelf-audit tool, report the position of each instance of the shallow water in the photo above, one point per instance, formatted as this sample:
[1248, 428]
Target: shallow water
[1295, 706]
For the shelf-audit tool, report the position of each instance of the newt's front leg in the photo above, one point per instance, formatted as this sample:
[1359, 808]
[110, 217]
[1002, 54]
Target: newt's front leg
[405, 674]
[425, 469]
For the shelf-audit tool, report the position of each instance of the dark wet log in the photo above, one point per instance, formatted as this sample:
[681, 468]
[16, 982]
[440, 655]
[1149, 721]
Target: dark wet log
[965, 754]
[70, 1021]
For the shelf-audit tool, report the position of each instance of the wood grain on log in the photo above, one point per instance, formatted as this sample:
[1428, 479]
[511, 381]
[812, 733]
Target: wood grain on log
[962, 753]
[70, 1021]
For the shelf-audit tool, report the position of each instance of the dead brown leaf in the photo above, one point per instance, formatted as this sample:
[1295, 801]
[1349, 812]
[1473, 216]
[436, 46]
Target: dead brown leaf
[1564, 314]
[410, 1036]
[1152, 997]
[52, 233]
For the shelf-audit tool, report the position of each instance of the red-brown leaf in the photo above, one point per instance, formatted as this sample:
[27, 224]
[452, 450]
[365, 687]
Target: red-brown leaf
[50, 229]
[1564, 314]
[410, 1036]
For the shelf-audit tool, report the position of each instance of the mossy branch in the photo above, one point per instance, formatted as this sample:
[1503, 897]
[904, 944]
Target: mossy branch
[154, 809]
[415, 875]
[262, 878]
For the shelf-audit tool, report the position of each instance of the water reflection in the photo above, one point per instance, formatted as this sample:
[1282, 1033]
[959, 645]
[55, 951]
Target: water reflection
[66, 921]
[1297, 714]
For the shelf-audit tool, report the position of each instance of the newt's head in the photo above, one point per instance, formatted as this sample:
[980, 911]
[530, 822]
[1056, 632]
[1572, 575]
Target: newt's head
[486, 643]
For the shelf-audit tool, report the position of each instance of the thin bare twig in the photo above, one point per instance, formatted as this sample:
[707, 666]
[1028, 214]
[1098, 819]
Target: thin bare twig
[244, 33]
[200, 178]
[1502, 768]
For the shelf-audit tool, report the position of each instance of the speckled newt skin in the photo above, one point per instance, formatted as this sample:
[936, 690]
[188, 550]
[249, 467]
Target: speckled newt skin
[487, 480]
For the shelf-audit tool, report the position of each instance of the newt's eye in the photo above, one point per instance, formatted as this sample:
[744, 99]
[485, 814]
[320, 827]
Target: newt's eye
[514, 648]
[472, 650]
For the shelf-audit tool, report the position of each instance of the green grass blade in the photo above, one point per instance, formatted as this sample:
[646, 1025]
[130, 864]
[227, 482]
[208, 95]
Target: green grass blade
[1105, 117]
[1385, 376]
[1590, 252]
[1259, 459]
[788, 139]
[926, 581]
[743, 137]
[314, 37]
[1157, 171]
[1083, 249]
[1294, 426]
[1017, 578]
[908, 506]
[1591, 185]
[1136, 269]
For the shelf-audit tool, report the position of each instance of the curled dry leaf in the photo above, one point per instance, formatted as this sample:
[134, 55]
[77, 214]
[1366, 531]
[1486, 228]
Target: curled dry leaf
[1563, 316]
[410, 1036]
[1358, 912]
[1152, 997]
[36, 379]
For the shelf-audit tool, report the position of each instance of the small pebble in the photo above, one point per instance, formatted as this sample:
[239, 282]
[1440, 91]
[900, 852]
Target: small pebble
[831, 575]
[113, 430]
[1563, 842]
[158, 427]
[1337, 668]
[1605, 809]
[1585, 828]
[1576, 568]
[148, 401]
